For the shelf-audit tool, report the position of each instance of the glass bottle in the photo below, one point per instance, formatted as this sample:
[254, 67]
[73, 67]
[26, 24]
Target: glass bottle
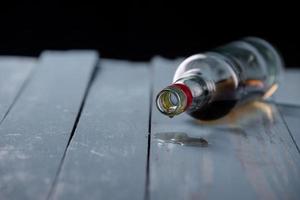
[207, 86]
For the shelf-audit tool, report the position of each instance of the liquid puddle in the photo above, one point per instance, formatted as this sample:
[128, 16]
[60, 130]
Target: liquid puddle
[180, 138]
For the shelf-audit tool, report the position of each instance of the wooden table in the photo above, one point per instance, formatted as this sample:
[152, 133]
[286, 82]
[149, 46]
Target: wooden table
[74, 126]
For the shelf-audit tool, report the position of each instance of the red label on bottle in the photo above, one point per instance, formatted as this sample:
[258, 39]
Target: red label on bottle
[187, 92]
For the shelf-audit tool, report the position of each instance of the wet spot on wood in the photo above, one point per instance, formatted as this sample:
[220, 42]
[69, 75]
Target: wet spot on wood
[181, 139]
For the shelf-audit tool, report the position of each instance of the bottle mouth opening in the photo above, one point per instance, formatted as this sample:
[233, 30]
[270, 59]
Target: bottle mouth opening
[168, 102]
[172, 101]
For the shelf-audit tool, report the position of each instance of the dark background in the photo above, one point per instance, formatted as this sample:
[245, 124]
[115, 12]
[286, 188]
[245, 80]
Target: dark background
[138, 31]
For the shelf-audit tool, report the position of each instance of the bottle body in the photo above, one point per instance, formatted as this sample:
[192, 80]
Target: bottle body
[207, 86]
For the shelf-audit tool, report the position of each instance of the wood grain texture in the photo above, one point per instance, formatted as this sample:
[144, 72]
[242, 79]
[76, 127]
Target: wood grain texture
[35, 132]
[250, 154]
[14, 72]
[107, 156]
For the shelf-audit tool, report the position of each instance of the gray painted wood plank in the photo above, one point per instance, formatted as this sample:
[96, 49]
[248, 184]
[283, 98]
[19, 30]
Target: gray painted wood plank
[35, 132]
[14, 71]
[291, 115]
[250, 154]
[107, 156]
[288, 91]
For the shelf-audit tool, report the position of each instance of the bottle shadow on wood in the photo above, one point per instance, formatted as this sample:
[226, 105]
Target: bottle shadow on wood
[235, 122]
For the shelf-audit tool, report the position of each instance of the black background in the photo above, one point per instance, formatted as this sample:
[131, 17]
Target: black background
[138, 31]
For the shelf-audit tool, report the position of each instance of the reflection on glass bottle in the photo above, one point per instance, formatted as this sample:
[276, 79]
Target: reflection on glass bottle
[207, 86]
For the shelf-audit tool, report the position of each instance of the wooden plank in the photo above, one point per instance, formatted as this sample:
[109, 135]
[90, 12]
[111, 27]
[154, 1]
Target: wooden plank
[107, 156]
[14, 71]
[288, 91]
[291, 115]
[36, 131]
[250, 154]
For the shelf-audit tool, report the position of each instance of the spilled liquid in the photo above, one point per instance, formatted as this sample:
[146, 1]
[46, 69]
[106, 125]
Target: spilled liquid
[246, 113]
[226, 97]
[180, 138]
[214, 110]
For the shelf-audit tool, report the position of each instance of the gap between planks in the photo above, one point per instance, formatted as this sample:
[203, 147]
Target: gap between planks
[86, 93]
[286, 124]
[147, 182]
[23, 86]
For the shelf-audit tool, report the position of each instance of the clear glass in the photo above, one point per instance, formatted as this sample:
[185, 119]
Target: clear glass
[212, 83]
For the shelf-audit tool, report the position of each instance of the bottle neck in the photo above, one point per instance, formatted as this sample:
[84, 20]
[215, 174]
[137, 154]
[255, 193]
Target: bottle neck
[187, 93]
